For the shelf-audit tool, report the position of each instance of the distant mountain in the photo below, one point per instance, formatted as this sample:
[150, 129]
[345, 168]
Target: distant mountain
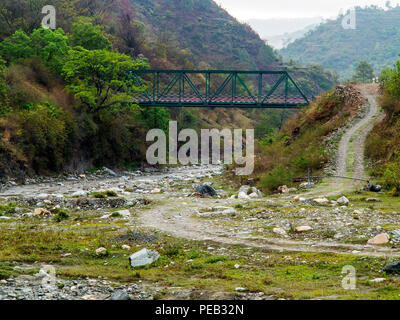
[278, 26]
[376, 40]
[211, 37]
[282, 40]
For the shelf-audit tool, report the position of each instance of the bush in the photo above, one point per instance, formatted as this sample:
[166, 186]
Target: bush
[7, 209]
[61, 215]
[277, 177]
[391, 176]
[46, 136]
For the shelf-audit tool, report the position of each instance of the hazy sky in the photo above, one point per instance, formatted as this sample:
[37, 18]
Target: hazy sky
[248, 9]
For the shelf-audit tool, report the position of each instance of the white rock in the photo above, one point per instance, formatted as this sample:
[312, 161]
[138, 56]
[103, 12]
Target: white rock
[303, 229]
[125, 247]
[109, 171]
[79, 193]
[377, 280]
[124, 213]
[343, 201]
[243, 195]
[101, 251]
[321, 200]
[279, 231]
[143, 257]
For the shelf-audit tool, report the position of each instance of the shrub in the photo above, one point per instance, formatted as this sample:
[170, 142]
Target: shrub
[61, 215]
[7, 209]
[277, 177]
[46, 136]
[391, 176]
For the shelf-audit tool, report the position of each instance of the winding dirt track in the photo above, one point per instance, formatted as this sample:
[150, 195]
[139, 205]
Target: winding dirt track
[352, 144]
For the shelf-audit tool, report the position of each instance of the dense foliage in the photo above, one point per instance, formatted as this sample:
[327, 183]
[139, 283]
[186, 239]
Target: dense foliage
[375, 40]
[65, 94]
[383, 144]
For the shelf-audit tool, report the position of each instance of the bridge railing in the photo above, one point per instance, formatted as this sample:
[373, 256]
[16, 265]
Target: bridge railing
[218, 88]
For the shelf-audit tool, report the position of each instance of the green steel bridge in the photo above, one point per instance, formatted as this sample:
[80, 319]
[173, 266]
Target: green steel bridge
[218, 88]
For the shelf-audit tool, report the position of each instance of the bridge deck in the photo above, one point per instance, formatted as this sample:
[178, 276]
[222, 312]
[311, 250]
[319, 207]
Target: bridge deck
[181, 89]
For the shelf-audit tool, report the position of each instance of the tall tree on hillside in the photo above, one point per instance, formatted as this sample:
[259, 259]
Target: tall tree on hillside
[99, 79]
[364, 72]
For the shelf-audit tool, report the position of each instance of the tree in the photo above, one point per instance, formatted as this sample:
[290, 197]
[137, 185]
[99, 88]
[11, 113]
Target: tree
[364, 72]
[15, 47]
[50, 46]
[99, 79]
[88, 36]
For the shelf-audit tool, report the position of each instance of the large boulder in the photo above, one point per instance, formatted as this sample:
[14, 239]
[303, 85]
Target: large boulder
[392, 267]
[373, 187]
[382, 238]
[206, 188]
[143, 257]
[247, 192]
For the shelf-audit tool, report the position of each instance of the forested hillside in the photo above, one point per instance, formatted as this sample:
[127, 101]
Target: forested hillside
[65, 100]
[375, 40]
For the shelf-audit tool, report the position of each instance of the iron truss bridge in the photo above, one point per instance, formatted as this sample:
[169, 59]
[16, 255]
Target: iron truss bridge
[218, 88]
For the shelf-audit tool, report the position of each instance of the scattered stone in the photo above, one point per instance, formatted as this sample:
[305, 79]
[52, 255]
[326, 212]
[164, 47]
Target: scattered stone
[303, 229]
[244, 196]
[373, 188]
[135, 237]
[247, 192]
[119, 295]
[79, 193]
[373, 200]
[382, 238]
[206, 189]
[217, 211]
[143, 257]
[41, 212]
[396, 233]
[155, 191]
[240, 289]
[392, 267]
[378, 280]
[124, 213]
[279, 231]
[125, 247]
[101, 251]
[343, 201]
[321, 200]
[283, 189]
[306, 185]
[109, 171]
